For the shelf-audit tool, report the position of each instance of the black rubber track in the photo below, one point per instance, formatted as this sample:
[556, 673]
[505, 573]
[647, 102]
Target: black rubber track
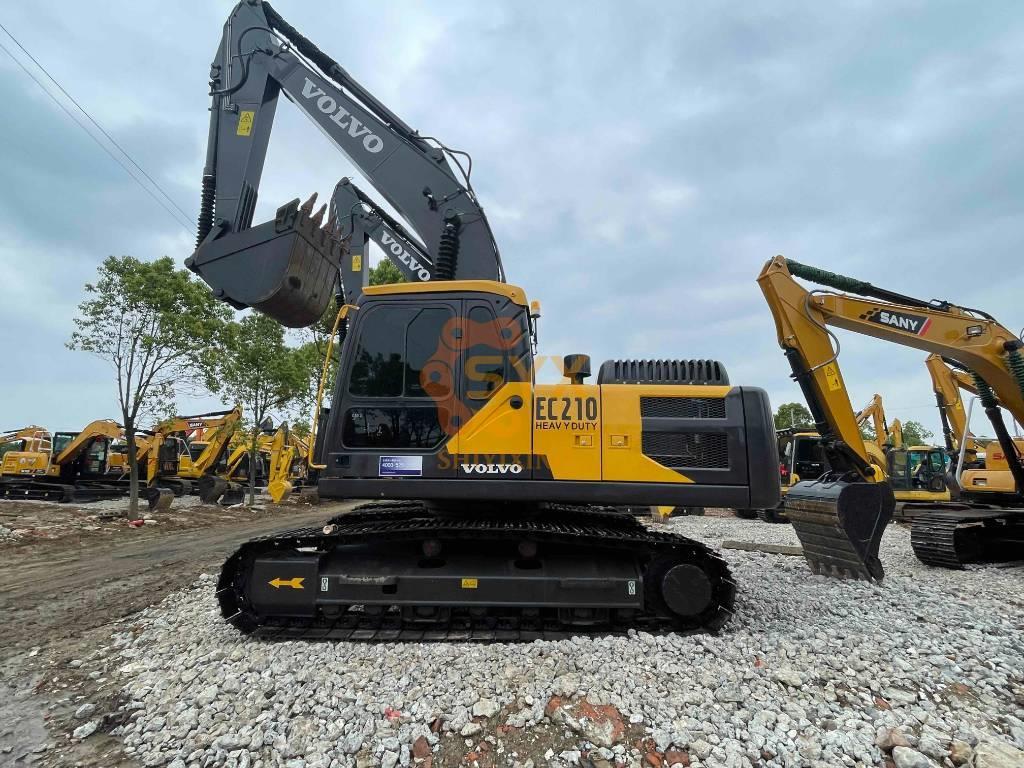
[954, 539]
[574, 526]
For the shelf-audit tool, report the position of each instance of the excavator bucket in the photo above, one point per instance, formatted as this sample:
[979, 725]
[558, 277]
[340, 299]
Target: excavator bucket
[234, 494]
[279, 490]
[211, 488]
[159, 499]
[286, 268]
[840, 525]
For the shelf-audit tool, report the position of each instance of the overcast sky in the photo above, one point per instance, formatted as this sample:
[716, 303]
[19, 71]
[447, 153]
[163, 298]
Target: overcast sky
[639, 163]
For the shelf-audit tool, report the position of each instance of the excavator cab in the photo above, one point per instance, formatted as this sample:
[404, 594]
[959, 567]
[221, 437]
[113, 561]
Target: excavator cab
[918, 468]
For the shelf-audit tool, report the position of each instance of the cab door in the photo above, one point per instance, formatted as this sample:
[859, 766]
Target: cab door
[494, 440]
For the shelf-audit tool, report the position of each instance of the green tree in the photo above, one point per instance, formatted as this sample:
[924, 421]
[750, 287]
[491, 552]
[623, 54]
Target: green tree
[915, 433]
[261, 372]
[793, 415]
[301, 428]
[385, 273]
[157, 326]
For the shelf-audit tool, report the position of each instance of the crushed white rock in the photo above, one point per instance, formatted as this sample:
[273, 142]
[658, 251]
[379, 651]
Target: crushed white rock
[925, 668]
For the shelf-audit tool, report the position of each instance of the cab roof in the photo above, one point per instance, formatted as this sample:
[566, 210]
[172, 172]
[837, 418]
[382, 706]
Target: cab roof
[511, 292]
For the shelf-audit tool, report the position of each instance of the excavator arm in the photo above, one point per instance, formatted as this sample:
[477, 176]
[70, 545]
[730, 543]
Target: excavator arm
[808, 346]
[360, 220]
[288, 268]
[946, 384]
[837, 514]
[219, 437]
[887, 434]
[895, 434]
[974, 340]
[102, 429]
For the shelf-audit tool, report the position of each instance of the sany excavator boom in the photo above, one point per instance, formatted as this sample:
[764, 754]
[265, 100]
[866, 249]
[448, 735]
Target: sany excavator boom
[498, 532]
[845, 512]
[980, 479]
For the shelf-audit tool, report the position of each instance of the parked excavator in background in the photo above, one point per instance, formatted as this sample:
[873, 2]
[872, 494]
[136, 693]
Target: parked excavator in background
[501, 534]
[841, 516]
[915, 472]
[278, 468]
[60, 466]
[195, 473]
[982, 472]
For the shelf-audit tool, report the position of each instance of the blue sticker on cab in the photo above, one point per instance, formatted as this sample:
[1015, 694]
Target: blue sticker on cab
[400, 466]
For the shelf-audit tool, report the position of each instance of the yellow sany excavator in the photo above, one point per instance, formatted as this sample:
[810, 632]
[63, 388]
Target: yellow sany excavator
[61, 466]
[281, 466]
[195, 471]
[841, 516]
[982, 471]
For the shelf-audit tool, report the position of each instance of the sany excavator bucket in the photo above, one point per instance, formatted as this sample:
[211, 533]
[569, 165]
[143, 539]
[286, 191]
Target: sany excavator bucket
[840, 525]
[286, 268]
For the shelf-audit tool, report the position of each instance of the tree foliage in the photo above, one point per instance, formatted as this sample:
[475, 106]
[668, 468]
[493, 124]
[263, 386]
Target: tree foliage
[257, 369]
[156, 326]
[385, 273]
[915, 433]
[793, 415]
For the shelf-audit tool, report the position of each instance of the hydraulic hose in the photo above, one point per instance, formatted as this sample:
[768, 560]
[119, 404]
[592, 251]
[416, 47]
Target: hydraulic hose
[991, 405]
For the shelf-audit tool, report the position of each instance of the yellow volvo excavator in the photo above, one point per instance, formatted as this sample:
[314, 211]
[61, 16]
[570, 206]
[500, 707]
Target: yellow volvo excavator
[505, 525]
[841, 516]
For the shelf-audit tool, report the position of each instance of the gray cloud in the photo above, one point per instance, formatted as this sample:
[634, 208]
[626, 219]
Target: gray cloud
[639, 163]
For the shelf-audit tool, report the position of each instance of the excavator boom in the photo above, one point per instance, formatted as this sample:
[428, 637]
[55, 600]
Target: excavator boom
[288, 268]
[971, 338]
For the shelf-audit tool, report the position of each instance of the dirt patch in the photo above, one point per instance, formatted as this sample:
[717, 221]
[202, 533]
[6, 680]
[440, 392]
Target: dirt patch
[62, 585]
[25, 523]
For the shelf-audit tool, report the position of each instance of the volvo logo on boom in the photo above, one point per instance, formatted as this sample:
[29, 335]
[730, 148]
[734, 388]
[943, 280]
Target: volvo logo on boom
[404, 256]
[901, 321]
[372, 143]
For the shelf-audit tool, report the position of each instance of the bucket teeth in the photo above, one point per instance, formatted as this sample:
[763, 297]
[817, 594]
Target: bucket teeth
[319, 215]
[307, 207]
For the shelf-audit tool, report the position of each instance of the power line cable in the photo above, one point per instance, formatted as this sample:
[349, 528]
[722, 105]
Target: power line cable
[186, 226]
[93, 121]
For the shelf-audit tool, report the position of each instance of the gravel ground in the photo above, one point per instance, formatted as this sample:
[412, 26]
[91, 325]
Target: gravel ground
[924, 670]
